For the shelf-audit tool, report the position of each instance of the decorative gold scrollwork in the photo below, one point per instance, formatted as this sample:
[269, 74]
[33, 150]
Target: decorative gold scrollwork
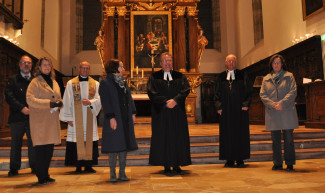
[191, 10]
[180, 10]
[109, 10]
[121, 10]
[194, 82]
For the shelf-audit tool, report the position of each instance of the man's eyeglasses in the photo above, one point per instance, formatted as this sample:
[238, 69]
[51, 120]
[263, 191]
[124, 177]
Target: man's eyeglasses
[84, 68]
[25, 62]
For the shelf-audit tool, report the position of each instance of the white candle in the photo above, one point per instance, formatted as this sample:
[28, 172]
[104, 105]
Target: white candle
[137, 70]
[142, 73]
[131, 73]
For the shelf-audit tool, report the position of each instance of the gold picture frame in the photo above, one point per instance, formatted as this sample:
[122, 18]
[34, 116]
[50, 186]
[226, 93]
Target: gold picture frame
[312, 7]
[151, 35]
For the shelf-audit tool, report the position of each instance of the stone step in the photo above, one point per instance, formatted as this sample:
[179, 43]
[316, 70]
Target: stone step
[197, 158]
[59, 151]
[202, 158]
[265, 136]
[195, 148]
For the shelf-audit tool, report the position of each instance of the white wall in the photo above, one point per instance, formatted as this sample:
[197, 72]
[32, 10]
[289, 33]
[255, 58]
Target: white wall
[213, 61]
[283, 22]
[30, 40]
[245, 26]
[70, 59]
[52, 28]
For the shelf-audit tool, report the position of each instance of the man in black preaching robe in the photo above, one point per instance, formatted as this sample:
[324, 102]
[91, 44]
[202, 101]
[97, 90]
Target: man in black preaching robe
[233, 97]
[170, 145]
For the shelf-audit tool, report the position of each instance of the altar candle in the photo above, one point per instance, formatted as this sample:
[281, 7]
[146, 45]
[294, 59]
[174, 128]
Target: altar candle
[137, 70]
[142, 74]
[131, 73]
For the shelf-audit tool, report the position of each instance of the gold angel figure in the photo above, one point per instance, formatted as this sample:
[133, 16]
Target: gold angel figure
[99, 43]
[202, 42]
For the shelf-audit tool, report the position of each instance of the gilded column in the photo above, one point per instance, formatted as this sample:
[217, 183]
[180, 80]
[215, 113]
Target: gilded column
[109, 33]
[175, 48]
[127, 44]
[193, 38]
[181, 42]
[121, 11]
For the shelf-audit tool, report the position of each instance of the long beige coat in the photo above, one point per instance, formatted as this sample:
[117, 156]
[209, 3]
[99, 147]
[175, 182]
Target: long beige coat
[44, 125]
[284, 93]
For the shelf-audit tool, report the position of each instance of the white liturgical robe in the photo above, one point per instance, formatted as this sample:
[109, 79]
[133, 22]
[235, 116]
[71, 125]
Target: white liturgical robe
[67, 112]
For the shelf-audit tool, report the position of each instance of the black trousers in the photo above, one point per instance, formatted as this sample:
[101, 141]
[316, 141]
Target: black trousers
[44, 155]
[17, 130]
[71, 155]
[289, 147]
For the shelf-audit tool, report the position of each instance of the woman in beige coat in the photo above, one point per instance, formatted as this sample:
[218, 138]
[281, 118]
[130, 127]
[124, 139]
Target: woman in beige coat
[278, 93]
[44, 100]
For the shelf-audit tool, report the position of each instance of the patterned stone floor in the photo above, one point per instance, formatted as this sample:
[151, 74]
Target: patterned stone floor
[258, 177]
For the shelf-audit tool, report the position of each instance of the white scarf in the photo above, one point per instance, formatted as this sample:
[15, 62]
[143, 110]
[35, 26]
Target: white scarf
[169, 76]
[232, 74]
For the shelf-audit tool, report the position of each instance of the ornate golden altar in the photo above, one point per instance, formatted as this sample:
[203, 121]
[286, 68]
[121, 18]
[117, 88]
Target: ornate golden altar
[170, 25]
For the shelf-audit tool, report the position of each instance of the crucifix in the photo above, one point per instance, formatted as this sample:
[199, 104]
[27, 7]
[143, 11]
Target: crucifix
[230, 84]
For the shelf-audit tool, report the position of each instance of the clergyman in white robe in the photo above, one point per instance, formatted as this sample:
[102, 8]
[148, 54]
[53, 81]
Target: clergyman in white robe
[68, 114]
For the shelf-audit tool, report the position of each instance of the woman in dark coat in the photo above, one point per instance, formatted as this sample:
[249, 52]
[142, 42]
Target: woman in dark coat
[119, 111]
[278, 93]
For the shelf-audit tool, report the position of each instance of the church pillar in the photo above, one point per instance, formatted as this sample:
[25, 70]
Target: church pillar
[193, 38]
[127, 51]
[175, 48]
[109, 33]
[181, 42]
[121, 11]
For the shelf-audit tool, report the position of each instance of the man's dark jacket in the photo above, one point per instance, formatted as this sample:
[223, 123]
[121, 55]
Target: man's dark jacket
[16, 97]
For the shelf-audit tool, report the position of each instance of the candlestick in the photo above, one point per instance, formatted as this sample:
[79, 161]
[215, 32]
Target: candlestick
[142, 74]
[131, 73]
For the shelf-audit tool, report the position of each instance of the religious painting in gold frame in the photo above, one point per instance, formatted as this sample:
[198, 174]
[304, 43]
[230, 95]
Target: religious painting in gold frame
[312, 7]
[151, 35]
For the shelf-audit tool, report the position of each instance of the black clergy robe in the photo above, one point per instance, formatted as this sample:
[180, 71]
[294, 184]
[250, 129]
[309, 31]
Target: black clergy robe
[234, 122]
[170, 145]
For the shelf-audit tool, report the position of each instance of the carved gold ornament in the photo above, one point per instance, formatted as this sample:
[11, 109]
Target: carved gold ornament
[194, 82]
[192, 11]
[188, 108]
[109, 11]
[180, 10]
[121, 11]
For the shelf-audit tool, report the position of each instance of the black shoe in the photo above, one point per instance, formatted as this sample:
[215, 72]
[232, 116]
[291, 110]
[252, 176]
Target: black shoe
[12, 173]
[78, 170]
[50, 179]
[229, 164]
[277, 167]
[89, 169]
[178, 170]
[167, 171]
[290, 168]
[41, 182]
[240, 164]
